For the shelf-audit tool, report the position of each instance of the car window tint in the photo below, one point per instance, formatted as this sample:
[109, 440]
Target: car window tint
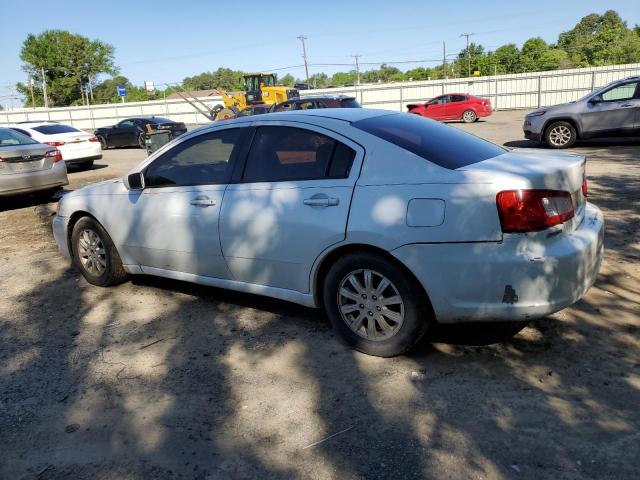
[288, 153]
[341, 162]
[125, 123]
[458, 98]
[622, 92]
[203, 160]
[350, 103]
[304, 105]
[11, 137]
[55, 129]
[441, 144]
[23, 132]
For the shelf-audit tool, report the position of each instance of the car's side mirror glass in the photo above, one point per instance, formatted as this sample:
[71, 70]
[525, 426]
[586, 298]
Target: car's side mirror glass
[134, 181]
[596, 99]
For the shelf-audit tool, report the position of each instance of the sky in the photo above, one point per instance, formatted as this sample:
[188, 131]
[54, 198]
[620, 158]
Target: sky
[165, 41]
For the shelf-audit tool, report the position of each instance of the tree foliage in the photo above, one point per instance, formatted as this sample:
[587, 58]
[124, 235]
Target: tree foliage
[69, 61]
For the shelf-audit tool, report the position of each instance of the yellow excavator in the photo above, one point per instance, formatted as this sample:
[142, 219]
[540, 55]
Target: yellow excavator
[258, 88]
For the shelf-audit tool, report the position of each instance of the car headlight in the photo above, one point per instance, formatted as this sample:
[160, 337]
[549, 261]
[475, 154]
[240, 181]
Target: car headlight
[539, 113]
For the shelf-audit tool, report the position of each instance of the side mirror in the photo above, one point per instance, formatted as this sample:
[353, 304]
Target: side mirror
[595, 99]
[134, 181]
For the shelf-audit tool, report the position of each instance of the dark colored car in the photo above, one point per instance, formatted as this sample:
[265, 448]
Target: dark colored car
[453, 106]
[331, 101]
[131, 132]
[255, 110]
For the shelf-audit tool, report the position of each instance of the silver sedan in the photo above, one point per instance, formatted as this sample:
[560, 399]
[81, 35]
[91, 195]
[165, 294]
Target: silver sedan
[28, 166]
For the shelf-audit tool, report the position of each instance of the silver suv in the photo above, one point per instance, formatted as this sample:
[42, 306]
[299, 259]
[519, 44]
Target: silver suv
[612, 110]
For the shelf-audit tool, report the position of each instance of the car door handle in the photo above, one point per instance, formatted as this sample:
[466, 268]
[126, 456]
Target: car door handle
[321, 202]
[203, 202]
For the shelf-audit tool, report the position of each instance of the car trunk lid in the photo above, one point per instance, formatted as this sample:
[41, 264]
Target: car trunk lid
[24, 159]
[539, 170]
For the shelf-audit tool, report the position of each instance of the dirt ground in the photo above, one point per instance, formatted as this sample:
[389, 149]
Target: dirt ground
[162, 379]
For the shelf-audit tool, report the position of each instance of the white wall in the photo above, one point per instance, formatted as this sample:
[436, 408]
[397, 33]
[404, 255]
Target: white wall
[506, 92]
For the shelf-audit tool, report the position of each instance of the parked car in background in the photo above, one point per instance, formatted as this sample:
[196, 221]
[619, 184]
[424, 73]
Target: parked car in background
[27, 166]
[453, 106]
[389, 221]
[255, 110]
[329, 101]
[612, 110]
[131, 132]
[302, 86]
[76, 146]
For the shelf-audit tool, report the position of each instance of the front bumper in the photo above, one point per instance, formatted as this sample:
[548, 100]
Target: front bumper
[533, 127]
[525, 276]
[19, 183]
[60, 225]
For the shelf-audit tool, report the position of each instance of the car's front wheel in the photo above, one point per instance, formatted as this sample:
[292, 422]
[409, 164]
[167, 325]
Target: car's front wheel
[142, 140]
[95, 254]
[560, 135]
[375, 306]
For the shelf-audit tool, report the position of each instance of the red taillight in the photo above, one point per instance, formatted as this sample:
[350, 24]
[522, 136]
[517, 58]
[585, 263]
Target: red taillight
[93, 139]
[55, 144]
[532, 210]
[585, 188]
[55, 154]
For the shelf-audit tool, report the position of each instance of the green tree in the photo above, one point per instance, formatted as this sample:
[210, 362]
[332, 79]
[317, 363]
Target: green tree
[509, 58]
[69, 61]
[420, 73]
[476, 52]
[344, 78]
[532, 50]
[288, 80]
[384, 74]
[601, 40]
[105, 92]
[221, 78]
[319, 80]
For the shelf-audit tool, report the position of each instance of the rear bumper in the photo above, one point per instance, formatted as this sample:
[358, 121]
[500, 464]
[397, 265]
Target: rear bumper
[484, 112]
[18, 183]
[523, 277]
[60, 225]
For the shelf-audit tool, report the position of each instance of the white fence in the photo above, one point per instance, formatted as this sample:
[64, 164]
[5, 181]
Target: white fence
[506, 92]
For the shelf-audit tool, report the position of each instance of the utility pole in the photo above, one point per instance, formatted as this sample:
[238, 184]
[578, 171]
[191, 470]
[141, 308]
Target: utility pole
[356, 57]
[302, 38]
[90, 87]
[33, 98]
[444, 60]
[468, 52]
[44, 88]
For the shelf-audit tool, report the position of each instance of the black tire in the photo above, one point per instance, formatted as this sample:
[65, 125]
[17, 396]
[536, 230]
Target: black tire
[560, 135]
[417, 317]
[113, 272]
[86, 165]
[142, 140]
[103, 143]
[469, 116]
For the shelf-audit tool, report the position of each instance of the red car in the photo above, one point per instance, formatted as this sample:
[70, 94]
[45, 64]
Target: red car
[453, 106]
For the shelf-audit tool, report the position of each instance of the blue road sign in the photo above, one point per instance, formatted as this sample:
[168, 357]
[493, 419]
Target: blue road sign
[121, 90]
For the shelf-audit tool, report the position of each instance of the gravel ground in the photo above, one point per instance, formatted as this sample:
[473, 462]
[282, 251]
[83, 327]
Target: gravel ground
[162, 379]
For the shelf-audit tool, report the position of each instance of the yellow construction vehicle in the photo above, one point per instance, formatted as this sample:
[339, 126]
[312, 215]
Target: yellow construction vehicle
[258, 88]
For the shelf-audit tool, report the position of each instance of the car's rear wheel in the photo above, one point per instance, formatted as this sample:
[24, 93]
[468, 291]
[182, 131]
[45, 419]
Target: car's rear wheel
[469, 116]
[375, 306]
[560, 135]
[95, 254]
[103, 143]
[86, 165]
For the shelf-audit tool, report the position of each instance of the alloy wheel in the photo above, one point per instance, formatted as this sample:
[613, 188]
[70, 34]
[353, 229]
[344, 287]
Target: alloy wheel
[469, 116]
[92, 253]
[370, 305]
[560, 135]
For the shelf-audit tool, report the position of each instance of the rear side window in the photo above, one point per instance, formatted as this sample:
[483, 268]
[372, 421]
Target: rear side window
[55, 129]
[203, 160]
[288, 153]
[441, 144]
[10, 137]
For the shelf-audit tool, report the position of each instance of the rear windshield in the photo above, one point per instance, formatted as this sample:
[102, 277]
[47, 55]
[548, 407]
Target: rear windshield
[350, 103]
[441, 144]
[10, 137]
[55, 129]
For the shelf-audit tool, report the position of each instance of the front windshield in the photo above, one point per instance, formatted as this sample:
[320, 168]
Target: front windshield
[267, 80]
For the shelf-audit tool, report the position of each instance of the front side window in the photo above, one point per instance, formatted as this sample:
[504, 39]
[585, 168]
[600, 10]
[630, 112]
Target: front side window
[287, 154]
[441, 144]
[204, 160]
[304, 105]
[621, 92]
[125, 123]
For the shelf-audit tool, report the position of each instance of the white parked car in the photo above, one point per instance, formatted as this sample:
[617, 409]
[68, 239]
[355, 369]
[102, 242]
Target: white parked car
[77, 146]
[389, 221]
